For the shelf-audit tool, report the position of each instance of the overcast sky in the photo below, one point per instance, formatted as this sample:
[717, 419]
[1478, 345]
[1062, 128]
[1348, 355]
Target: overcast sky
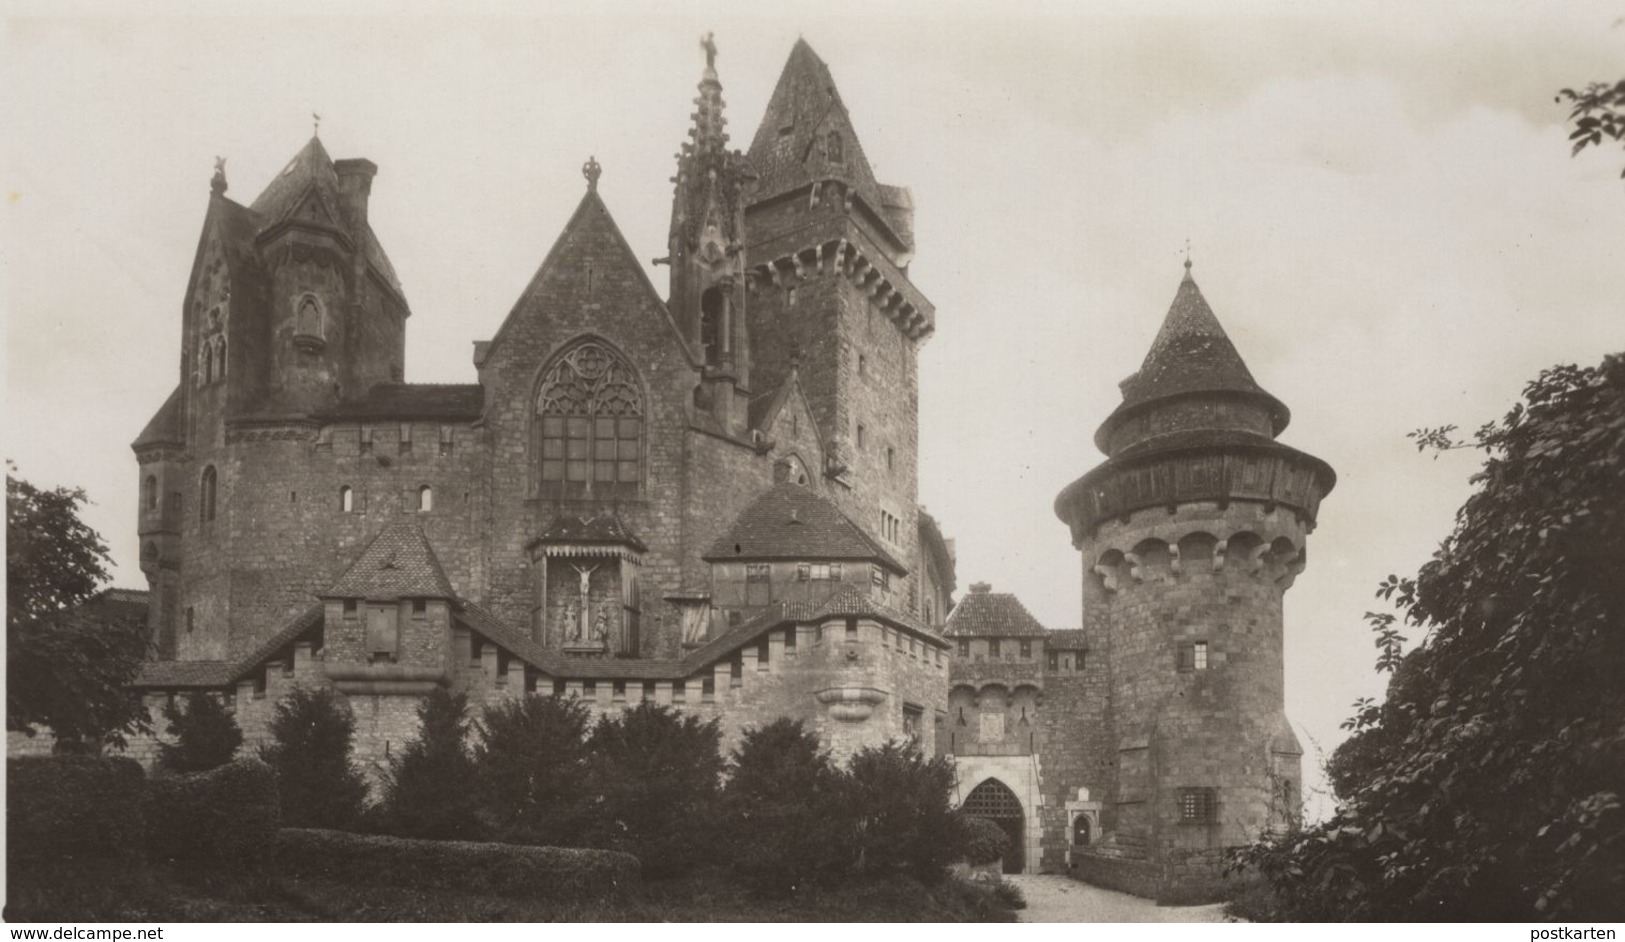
[1381, 205]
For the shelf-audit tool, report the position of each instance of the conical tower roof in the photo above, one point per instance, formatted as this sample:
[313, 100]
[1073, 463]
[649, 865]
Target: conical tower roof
[787, 151]
[1191, 355]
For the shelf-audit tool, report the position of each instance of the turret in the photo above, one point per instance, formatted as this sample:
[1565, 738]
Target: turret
[707, 254]
[1191, 531]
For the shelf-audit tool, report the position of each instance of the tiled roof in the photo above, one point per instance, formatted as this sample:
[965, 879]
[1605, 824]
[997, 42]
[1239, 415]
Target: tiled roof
[1068, 639]
[786, 153]
[452, 401]
[983, 613]
[1190, 354]
[169, 674]
[398, 564]
[605, 528]
[165, 427]
[790, 521]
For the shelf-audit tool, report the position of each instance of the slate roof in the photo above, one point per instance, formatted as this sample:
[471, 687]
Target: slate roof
[605, 528]
[398, 564]
[1191, 354]
[790, 521]
[983, 613]
[165, 427]
[785, 152]
[311, 170]
[445, 401]
[933, 542]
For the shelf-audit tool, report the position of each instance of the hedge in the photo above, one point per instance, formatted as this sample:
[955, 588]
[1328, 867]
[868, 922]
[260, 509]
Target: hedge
[61, 807]
[515, 870]
[227, 815]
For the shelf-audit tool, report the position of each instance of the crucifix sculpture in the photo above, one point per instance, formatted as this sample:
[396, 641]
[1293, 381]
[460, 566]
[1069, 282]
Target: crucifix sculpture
[582, 631]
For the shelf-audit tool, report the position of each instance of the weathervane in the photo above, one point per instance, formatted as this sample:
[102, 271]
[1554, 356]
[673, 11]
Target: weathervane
[1187, 254]
[316, 122]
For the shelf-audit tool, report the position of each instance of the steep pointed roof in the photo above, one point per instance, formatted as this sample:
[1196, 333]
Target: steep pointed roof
[311, 175]
[786, 151]
[311, 167]
[983, 613]
[591, 211]
[790, 521]
[398, 564]
[1191, 354]
[166, 425]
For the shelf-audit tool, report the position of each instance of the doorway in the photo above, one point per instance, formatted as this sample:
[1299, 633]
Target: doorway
[995, 801]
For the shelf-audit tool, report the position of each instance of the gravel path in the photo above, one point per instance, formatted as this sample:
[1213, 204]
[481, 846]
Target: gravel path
[1052, 898]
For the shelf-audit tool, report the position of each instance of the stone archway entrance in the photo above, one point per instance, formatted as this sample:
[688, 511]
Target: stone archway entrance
[995, 801]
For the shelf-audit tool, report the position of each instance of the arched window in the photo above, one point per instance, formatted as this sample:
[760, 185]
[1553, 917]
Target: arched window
[149, 492]
[206, 494]
[346, 499]
[589, 423]
[425, 499]
[710, 321]
[833, 148]
[220, 357]
[205, 370]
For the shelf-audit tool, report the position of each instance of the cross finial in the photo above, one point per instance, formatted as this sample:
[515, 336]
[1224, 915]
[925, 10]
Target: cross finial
[218, 184]
[316, 124]
[1187, 257]
[592, 171]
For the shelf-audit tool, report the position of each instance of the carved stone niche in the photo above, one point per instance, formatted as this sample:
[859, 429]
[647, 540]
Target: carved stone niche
[851, 704]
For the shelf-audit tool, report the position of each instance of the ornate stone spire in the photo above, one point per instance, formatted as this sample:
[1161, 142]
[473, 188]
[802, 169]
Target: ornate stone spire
[708, 136]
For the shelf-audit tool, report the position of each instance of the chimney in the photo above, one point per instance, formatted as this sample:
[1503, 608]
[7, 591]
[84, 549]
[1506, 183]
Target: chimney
[355, 185]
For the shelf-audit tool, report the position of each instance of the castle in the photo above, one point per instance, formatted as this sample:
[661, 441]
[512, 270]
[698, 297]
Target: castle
[709, 500]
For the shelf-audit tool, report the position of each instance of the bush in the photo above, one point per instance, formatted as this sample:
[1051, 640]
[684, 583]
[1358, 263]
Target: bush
[222, 817]
[901, 800]
[531, 770]
[311, 735]
[656, 772]
[546, 873]
[429, 792]
[74, 807]
[981, 841]
[788, 826]
[1008, 894]
[206, 735]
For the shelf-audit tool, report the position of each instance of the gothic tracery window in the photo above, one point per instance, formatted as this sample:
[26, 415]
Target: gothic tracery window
[589, 418]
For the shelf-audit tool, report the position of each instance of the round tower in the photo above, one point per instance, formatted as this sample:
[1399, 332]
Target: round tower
[1191, 531]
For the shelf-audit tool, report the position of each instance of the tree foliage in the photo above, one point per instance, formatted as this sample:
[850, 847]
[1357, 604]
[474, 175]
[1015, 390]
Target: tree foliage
[904, 819]
[429, 791]
[532, 777]
[656, 774]
[66, 668]
[206, 736]
[1487, 785]
[788, 824]
[1598, 114]
[312, 733]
